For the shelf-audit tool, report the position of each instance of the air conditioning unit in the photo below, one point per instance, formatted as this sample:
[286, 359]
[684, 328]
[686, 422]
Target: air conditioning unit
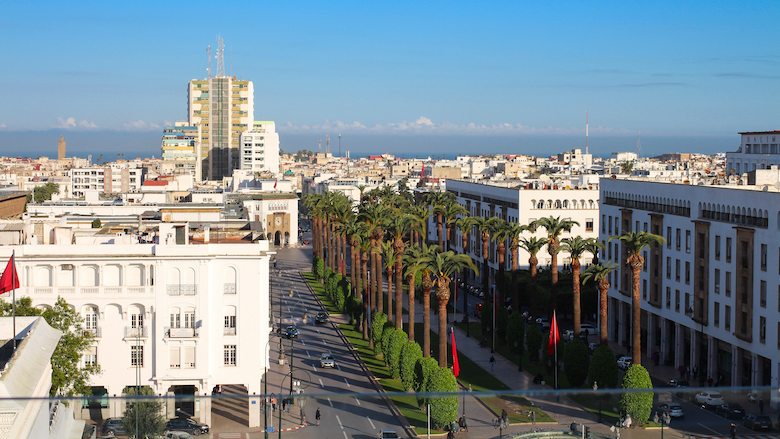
[67, 267]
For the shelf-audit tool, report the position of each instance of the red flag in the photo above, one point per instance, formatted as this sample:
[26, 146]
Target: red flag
[422, 173]
[10, 280]
[276, 181]
[554, 336]
[455, 365]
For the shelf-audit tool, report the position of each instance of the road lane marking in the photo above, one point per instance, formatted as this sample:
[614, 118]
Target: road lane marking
[358, 401]
[372, 424]
[304, 343]
[330, 402]
[307, 354]
[323, 385]
[339, 419]
[339, 367]
[314, 367]
[345, 380]
[318, 331]
[345, 435]
[330, 352]
[324, 342]
[708, 428]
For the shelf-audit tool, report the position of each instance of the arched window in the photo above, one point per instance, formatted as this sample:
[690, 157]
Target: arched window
[135, 275]
[230, 320]
[229, 276]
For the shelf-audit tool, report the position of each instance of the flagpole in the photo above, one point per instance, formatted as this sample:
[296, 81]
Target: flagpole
[13, 293]
[555, 337]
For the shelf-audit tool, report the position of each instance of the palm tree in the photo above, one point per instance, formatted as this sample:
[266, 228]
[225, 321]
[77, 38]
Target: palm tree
[485, 228]
[438, 202]
[373, 215]
[600, 273]
[356, 231]
[554, 228]
[365, 249]
[635, 242]
[443, 265]
[533, 245]
[451, 213]
[464, 225]
[420, 215]
[513, 232]
[418, 256]
[576, 247]
[500, 235]
[388, 255]
[400, 225]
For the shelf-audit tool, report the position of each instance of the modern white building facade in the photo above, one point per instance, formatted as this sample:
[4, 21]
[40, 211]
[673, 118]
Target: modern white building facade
[260, 148]
[107, 180]
[710, 294]
[757, 150]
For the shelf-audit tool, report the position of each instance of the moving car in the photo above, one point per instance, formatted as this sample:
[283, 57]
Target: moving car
[755, 421]
[387, 433]
[322, 317]
[291, 332]
[326, 360]
[673, 409]
[543, 322]
[186, 425]
[113, 427]
[593, 346]
[730, 411]
[625, 362]
[709, 399]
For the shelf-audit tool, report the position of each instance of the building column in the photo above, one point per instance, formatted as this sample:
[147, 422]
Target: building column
[736, 367]
[170, 405]
[611, 316]
[755, 372]
[712, 357]
[694, 347]
[203, 405]
[664, 339]
[652, 319]
[679, 344]
[255, 414]
[620, 313]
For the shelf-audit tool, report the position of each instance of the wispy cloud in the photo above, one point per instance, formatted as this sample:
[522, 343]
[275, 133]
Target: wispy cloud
[2, 126]
[745, 75]
[71, 123]
[654, 84]
[425, 126]
[139, 125]
[661, 74]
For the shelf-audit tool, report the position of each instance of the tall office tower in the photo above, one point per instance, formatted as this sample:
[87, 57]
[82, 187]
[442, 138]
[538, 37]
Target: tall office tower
[260, 148]
[181, 151]
[61, 148]
[223, 108]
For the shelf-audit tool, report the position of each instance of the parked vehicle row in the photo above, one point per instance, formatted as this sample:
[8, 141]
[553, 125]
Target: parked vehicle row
[177, 428]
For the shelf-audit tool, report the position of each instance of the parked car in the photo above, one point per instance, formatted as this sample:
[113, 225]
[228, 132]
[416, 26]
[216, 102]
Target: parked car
[730, 411]
[586, 329]
[322, 317]
[177, 435]
[673, 409]
[593, 346]
[543, 323]
[326, 360]
[625, 362]
[754, 421]
[187, 425]
[709, 399]
[291, 332]
[113, 427]
[387, 433]
[680, 385]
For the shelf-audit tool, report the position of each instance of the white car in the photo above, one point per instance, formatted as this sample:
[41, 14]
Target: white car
[326, 360]
[589, 329]
[178, 435]
[625, 362]
[708, 398]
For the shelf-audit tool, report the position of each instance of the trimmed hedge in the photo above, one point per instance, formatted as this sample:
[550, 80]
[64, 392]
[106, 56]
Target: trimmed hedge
[637, 404]
[422, 372]
[393, 356]
[410, 353]
[576, 361]
[515, 332]
[444, 409]
[603, 368]
[387, 335]
[377, 327]
[533, 338]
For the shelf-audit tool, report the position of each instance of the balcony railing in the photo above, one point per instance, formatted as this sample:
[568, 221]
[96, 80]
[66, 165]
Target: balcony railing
[230, 331]
[68, 291]
[180, 332]
[96, 332]
[183, 290]
[229, 288]
[132, 332]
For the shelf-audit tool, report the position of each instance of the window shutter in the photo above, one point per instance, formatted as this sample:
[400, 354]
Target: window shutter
[189, 357]
[175, 359]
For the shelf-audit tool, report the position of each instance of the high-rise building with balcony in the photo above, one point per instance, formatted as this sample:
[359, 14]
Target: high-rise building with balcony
[260, 148]
[181, 150]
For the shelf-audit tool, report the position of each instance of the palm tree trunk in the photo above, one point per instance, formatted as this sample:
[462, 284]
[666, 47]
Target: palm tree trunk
[399, 287]
[380, 288]
[426, 285]
[371, 283]
[485, 260]
[554, 275]
[367, 295]
[636, 314]
[515, 290]
[603, 290]
[389, 292]
[443, 297]
[344, 257]
[331, 256]
[575, 269]
[353, 269]
[439, 232]
[532, 262]
[410, 306]
[336, 252]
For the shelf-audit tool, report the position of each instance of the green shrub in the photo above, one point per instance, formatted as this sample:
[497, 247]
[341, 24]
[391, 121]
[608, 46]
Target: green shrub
[319, 268]
[394, 352]
[486, 319]
[637, 404]
[603, 368]
[96, 224]
[533, 339]
[410, 353]
[342, 292]
[377, 326]
[422, 373]
[576, 361]
[387, 335]
[444, 409]
[515, 332]
[502, 318]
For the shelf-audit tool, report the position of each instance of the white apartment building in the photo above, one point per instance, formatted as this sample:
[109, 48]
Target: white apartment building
[108, 180]
[181, 152]
[710, 294]
[522, 204]
[260, 148]
[757, 150]
[223, 108]
[184, 316]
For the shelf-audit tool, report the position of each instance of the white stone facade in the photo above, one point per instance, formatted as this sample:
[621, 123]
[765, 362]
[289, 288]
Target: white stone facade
[260, 148]
[757, 150]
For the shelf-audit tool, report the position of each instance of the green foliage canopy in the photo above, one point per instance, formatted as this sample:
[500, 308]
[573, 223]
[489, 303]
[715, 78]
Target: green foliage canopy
[576, 361]
[637, 404]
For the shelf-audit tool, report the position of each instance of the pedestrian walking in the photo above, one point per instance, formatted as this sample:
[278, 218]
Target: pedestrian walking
[761, 405]
[303, 417]
[317, 416]
[709, 381]
[688, 373]
[695, 371]
[492, 362]
[284, 404]
[733, 431]
[273, 404]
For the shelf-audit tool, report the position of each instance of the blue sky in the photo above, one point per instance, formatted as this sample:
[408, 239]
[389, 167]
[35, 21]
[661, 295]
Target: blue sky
[446, 70]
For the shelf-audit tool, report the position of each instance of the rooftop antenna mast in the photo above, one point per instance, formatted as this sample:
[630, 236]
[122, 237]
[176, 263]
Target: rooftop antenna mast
[638, 146]
[327, 143]
[220, 58]
[586, 131]
[208, 50]
[319, 145]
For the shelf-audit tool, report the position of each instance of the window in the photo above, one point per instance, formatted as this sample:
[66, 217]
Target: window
[677, 270]
[182, 357]
[644, 289]
[603, 223]
[609, 252]
[175, 318]
[728, 284]
[728, 249]
[230, 325]
[678, 240]
[588, 224]
[763, 257]
[644, 266]
[668, 298]
[763, 294]
[617, 226]
[644, 227]
[189, 357]
[90, 356]
[687, 273]
[717, 247]
[668, 267]
[230, 355]
[610, 225]
[687, 241]
[668, 237]
[677, 300]
[175, 354]
[727, 319]
[137, 320]
[189, 318]
[137, 356]
[762, 330]
[717, 281]
[716, 320]
[91, 319]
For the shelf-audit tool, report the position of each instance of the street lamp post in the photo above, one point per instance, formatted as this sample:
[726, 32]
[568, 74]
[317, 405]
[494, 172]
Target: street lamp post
[595, 388]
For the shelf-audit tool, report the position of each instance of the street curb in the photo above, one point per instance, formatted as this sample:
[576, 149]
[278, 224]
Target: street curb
[282, 430]
[373, 379]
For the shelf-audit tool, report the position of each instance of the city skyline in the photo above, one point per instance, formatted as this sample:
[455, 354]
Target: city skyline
[448, 76]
